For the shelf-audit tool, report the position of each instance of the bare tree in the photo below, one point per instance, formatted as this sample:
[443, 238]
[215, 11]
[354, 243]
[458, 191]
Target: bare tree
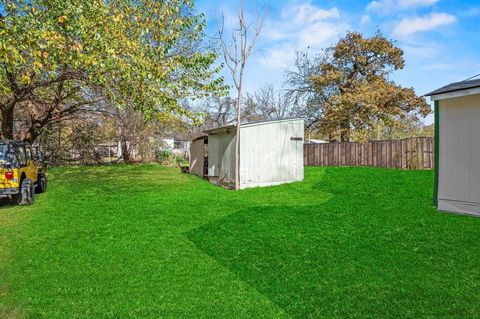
[272, 104]
[220, 111]
[301, 91]
[236, 51]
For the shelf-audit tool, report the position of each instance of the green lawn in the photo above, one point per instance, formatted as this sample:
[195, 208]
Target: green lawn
[147, 241]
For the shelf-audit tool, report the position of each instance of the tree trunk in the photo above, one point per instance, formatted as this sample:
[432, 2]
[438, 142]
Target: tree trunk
[126, 152]
[345, 131]
[7, 123]
[235, 61]
[237, 140]
[33, 134]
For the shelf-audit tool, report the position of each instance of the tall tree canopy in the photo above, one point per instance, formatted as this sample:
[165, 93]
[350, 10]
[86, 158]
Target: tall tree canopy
[346, 90]
[58, 57]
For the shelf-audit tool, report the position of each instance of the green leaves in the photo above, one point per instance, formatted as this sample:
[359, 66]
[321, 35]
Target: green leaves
[148, 54]
[352, 87]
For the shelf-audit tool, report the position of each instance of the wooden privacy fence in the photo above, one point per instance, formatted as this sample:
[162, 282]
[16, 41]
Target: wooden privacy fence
[409, 153]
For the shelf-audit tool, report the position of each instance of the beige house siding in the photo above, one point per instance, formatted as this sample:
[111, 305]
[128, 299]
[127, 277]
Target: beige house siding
[459, 154]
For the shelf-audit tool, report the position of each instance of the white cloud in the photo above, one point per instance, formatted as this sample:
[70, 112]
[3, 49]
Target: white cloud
[381, 5]
[308, 13]
[279, 57]
[365, 19]
[416, 3]
[386, 6]
[318, 34]
[432, 21]
[300, 27]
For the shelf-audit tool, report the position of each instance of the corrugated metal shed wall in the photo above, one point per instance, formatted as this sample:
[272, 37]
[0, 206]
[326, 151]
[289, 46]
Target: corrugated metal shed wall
[268, 155]
[197, 153]
[459, 150]
[221, 157]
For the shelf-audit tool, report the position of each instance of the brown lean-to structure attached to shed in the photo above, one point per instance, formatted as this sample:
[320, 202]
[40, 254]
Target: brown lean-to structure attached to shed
[198, 157]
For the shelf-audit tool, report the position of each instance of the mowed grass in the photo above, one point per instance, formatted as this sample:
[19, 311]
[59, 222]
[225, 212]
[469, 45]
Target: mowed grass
[148, 242]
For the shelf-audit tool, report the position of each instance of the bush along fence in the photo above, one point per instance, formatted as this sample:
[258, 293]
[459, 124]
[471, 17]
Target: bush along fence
[409, 153]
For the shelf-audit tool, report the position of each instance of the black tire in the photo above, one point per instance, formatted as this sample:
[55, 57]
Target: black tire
[41, 184]
[27, 193]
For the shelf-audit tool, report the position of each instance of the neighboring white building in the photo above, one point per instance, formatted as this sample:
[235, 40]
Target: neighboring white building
[176, 145]
[271, 153]
[457, 147]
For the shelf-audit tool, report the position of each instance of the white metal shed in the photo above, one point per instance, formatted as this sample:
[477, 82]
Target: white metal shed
[457, 147]
[271, 153]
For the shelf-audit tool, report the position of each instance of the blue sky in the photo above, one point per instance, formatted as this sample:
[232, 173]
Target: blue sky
[440, 38]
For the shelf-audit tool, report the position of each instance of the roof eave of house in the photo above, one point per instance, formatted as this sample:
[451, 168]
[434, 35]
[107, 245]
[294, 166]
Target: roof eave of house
[456, 89]
[452, 94]
[201, 137]
[220, 129]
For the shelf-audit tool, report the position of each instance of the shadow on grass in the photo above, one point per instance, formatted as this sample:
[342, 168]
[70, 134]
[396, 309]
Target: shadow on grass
[377, 248]
[7, 203]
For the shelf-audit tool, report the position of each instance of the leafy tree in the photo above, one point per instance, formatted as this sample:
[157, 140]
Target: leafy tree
[59, 57]
[346, 90]
[409, 126]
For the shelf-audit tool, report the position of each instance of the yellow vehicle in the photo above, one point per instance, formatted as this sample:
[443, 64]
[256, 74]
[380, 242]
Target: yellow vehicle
[21, 173]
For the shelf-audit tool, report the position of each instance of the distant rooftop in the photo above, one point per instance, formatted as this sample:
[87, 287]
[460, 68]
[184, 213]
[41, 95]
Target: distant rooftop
[457, 86]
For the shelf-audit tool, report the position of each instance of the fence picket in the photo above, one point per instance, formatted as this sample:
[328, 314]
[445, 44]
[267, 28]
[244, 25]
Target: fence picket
[410, 153]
